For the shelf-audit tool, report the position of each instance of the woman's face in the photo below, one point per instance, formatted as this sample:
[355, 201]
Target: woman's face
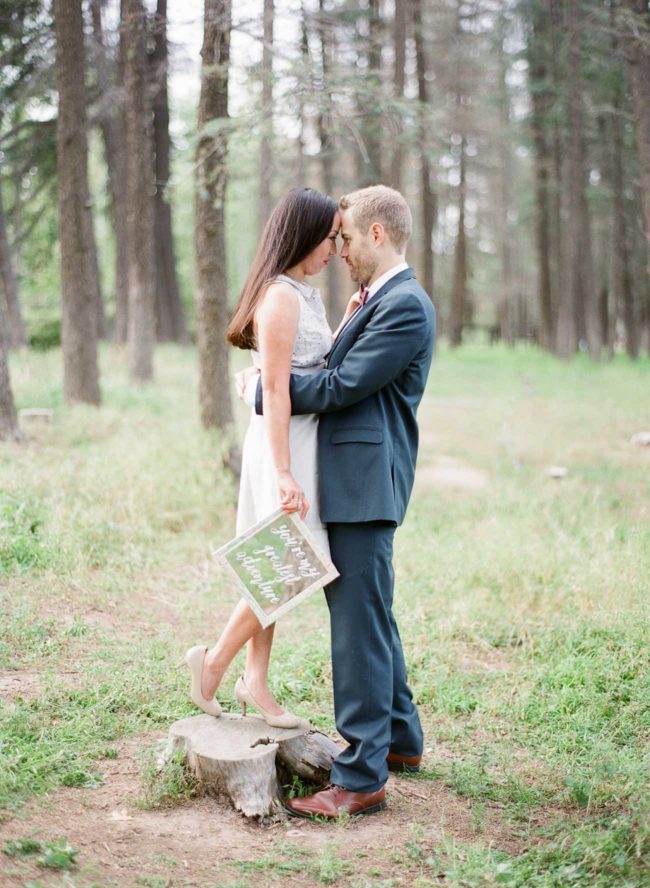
[325, 251]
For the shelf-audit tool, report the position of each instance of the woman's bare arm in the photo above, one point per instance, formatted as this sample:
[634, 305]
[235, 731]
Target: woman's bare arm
[276, 323]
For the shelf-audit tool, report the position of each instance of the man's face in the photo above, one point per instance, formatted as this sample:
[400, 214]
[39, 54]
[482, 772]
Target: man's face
[359, 256]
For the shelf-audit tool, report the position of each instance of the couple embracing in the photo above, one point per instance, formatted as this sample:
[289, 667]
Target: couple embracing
[333, 436]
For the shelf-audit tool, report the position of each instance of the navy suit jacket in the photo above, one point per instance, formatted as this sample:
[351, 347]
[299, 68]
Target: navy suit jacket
[368, 397]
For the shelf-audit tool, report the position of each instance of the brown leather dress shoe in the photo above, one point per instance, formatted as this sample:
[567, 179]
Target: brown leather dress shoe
[335, 801]
[408, 763]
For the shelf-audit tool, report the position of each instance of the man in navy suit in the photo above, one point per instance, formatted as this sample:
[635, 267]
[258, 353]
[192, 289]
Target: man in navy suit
[367, 398]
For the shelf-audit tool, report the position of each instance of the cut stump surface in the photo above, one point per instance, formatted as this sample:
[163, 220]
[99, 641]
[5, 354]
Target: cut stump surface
[239, 757]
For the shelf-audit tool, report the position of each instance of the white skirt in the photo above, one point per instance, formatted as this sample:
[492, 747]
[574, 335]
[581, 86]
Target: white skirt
[259, 495]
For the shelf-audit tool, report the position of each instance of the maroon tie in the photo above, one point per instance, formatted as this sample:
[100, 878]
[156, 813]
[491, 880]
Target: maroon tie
[364, 292]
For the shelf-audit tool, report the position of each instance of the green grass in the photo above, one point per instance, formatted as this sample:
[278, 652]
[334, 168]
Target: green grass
[523, 607]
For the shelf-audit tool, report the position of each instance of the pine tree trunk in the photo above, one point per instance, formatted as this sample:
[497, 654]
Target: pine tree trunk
[459, 287]
[111, 123]
[79, 304]
[8, 416]
[620, 249]
[266, 146]
[555, 128]
[372, 131]
[171, 317]
[637, 50]
[368, 40]
[16, 336]
[305, 61]
[140, 215]
[583, 285]
[327, 148]
[541, 101]
[505, 165]
[211, 167]
[399, 46]
[428, 198]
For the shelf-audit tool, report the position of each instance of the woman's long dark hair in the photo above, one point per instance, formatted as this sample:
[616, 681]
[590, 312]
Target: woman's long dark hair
[298, 224]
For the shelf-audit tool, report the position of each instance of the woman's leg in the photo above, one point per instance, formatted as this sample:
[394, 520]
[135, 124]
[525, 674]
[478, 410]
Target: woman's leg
[243, 626]
[258, 654]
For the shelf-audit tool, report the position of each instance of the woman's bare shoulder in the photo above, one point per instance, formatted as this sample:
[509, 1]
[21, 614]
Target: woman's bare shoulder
[279, 297]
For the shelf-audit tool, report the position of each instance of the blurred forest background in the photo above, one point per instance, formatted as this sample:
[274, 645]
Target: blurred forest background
[519, 131]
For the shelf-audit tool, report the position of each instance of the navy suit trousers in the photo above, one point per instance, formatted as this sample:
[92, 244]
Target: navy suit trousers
[373, 703]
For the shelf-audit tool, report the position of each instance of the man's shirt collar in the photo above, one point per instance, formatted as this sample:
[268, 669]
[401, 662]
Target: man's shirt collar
[376, 286]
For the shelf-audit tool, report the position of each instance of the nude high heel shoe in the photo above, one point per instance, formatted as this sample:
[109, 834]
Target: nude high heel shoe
[194, 659]
[244, 698]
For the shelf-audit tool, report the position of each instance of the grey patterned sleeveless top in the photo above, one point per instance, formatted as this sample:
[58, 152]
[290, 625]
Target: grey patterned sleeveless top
[314, 335]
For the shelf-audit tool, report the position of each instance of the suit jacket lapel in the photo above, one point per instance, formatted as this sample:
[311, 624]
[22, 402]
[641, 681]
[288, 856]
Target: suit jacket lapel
[351, 331]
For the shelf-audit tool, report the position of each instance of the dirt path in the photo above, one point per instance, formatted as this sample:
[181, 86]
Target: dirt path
[203, 842]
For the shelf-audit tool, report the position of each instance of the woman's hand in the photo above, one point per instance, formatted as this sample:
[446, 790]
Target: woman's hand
[351, 307]
[242, 378]
[292, 496]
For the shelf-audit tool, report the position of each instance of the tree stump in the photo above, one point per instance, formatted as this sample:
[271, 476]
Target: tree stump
[240, 757]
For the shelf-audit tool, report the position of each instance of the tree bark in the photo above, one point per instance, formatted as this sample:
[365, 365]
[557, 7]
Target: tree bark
[620, 250]
[79, 303]
[582, 284]
[16, 336]
[637, 51]
[503, 203]
[140, 214]
[170, 315]
[428, 197]
[112, 127]
[541, 100]
[559, 272]
[307, 76]
[459, 287]
[244, 759]
[399, 52]
[266, 146]
[211, 167]
[369, 97]
[8, 417]
[327, 149]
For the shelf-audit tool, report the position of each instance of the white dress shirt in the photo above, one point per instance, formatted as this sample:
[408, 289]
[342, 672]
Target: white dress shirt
[376, 286]
[384, 278]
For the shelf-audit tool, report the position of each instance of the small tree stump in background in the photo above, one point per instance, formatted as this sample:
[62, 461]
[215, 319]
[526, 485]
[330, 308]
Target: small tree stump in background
[239, 757]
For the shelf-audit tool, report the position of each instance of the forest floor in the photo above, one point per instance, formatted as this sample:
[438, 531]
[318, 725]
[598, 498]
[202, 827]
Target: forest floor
[522, 600]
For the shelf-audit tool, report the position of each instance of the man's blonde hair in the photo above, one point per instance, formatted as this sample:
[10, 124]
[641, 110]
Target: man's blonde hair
[378, 203]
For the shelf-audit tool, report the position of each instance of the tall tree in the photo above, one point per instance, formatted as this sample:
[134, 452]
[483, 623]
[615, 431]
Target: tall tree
[210, 240]
[539, 75]
[266, 145]
[140, 214]
[459, 299]
[79, 322]
[8, 416]
[369, 99]
[637, 49]
[110, 114]
[16, 336]
[170, 314]
[505, 164]
[584, 294]
[327, 140]
[459, 282]
[399, 74]
[428, 198]
[620, 253]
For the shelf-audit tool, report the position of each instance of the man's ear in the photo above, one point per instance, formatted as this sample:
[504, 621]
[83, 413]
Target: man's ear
[377, 234]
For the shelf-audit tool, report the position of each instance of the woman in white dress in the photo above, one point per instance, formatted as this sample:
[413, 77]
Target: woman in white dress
[281, 319]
